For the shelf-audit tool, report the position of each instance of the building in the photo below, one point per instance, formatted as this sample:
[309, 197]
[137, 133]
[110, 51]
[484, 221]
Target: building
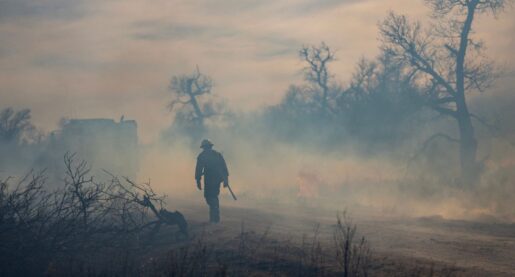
[103, 143]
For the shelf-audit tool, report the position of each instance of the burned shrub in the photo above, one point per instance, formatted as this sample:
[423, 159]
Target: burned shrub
[39, 229]
[353, 254]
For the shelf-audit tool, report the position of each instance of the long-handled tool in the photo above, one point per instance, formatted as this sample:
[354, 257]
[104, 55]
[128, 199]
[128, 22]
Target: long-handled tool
[232, 193]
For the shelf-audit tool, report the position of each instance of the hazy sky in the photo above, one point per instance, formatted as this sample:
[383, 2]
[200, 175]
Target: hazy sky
[105, 58]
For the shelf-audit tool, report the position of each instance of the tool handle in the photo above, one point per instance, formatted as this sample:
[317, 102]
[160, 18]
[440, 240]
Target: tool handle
[232, 193]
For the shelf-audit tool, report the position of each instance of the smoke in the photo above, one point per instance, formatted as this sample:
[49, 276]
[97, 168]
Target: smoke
[268, 172]
[316, 164]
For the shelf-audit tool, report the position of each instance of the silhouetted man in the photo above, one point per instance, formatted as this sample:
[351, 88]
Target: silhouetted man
[212, 165]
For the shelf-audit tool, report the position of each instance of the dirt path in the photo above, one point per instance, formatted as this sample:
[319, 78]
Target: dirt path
[486, 249]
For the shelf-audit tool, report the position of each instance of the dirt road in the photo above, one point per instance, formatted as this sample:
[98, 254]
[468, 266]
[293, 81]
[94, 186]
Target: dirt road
[480, 249]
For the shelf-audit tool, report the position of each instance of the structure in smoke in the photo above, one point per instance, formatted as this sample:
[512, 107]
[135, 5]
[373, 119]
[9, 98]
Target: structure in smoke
[104, 143]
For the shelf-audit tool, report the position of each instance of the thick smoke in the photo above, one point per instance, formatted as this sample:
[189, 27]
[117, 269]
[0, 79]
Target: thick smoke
[328, 146]
[268, 170]
[275, 164]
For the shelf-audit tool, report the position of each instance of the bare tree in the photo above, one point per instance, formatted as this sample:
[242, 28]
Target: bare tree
[353, 254]
[194, 105]
[187, 92]
[379, 103]
[318, 58]
[14, 125]
[448, 63]
[82, 218]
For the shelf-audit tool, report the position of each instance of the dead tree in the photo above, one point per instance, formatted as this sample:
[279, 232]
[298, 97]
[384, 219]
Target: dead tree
[14, 125]
[353, 254]
[378, 104]
[187, 92]
[82, 218]
[448, 63]
[316, 72]
[195, 107]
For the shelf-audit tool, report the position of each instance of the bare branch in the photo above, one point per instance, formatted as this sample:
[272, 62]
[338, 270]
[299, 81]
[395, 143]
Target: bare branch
[428, 142]
[318, 58]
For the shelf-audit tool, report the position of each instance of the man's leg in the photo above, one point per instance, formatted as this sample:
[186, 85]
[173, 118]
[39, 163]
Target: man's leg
[214, 208]
[211, 192]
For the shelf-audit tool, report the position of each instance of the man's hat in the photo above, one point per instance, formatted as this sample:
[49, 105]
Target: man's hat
[206, 143]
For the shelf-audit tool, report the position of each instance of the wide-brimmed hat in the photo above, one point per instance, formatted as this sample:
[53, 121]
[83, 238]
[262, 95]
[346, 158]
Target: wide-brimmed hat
[206, 143]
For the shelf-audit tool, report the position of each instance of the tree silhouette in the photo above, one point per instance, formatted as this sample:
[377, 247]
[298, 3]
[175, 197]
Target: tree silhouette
[14, 125]
[448, 64]
[379, 100]
[192, 103]
[317, 73]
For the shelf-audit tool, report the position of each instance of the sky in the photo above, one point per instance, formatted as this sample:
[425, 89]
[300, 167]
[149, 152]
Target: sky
[107, 58]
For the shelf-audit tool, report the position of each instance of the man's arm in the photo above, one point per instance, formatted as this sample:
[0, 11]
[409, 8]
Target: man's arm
[198, 172]
[225, 171]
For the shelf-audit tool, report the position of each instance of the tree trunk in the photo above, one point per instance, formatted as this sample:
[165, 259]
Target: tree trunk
[198, 112]
[196, 107]
[468, 143]
[468, 147]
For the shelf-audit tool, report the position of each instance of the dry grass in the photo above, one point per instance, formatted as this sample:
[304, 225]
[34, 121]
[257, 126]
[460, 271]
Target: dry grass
[96, 229]
[247, 253]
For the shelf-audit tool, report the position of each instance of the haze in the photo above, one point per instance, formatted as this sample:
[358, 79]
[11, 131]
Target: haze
[83, 59]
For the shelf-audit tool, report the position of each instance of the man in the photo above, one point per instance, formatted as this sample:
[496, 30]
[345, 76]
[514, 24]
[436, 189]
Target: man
[212, 165]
